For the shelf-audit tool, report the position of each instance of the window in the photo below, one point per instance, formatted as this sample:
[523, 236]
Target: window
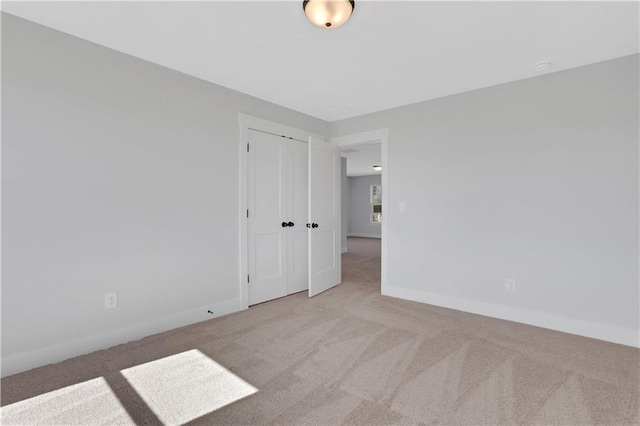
[376, 204]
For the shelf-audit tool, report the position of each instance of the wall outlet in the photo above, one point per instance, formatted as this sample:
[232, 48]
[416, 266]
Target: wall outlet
[110, 300]
[511, 285]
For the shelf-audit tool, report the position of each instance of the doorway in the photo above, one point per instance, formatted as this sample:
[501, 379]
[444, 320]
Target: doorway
[366, 150]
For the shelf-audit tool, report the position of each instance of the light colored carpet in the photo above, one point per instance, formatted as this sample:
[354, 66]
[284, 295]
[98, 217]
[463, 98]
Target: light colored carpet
[347, 356]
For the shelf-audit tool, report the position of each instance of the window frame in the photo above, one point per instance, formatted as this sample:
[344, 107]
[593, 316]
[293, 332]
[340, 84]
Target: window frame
[372, 204]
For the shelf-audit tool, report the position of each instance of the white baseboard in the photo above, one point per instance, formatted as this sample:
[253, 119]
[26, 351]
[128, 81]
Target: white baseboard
[27, 360]
[607, 332]
[363, 235]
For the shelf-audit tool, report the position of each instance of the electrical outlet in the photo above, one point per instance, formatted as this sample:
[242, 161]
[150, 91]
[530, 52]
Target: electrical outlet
[110, 300]
[511, 285]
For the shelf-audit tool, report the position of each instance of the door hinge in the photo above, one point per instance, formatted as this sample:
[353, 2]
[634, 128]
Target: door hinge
[247, 212]
[247, 147]
[248, 280]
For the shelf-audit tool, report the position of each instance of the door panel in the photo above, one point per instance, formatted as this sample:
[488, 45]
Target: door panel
[268, 158]
[268, 261]
[267, 172]
[300, 259]
[324, 187]
[297, 235]
[324, 211]
[324, 254]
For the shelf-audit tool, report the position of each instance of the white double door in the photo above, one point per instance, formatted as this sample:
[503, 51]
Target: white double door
[288, 180]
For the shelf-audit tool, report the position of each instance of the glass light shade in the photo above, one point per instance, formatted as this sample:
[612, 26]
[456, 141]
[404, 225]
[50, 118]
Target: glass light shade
[328, 13]
[377, 168]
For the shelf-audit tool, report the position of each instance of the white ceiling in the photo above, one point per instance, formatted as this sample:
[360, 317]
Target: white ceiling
[388, 54]
[361, 158]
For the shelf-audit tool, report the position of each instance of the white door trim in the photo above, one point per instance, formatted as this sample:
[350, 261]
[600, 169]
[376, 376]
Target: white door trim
[247, 122]
[381, 135]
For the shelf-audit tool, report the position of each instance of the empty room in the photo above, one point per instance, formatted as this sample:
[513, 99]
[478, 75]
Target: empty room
[320, 212]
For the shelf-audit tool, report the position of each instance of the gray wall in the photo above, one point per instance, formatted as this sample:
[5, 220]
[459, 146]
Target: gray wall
[117, 175]
[344, 203]
[360, 207]
[535, 180]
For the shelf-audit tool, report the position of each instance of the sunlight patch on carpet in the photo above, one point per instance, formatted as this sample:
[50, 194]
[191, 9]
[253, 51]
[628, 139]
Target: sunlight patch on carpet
[183, 387]
[91, 402]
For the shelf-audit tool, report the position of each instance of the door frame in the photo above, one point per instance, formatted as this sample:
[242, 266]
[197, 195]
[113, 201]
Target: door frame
[361, 138]
[246, 123]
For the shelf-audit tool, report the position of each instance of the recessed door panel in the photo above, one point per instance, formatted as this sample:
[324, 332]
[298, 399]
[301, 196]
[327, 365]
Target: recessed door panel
[268, 180]
[300, 259]
[299, 181]
[268, 253]
[325, 185]
[325, 250]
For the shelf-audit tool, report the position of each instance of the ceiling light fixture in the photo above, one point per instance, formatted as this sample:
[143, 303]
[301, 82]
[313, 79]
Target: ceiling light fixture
[328, 13]
[377, 168]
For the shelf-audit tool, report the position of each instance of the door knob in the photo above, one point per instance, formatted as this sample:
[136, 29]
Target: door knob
[308, 225]
[285, 224]
[290, 223]
[315, 225]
